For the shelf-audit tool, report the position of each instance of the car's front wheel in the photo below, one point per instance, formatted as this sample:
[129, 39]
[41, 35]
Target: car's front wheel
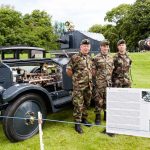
[26, 106]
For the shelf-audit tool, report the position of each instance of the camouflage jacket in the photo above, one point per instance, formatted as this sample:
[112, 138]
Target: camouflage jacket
[81, 66]
[104, 67]
[122, 64]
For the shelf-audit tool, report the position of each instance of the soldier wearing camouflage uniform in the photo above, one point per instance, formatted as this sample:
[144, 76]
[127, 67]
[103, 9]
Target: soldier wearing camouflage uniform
[80, 69]
[122, 64]
[102, 68]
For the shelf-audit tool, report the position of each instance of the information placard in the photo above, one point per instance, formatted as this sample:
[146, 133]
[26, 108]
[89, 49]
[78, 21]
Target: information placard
[128, 111]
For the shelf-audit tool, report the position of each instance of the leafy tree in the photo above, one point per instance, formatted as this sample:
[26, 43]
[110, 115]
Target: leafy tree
[130, 22]
[117, 13]
[11, 25]
[117, 17]
[112, 31]
[138, 20]
[112, 34]
[38, 24]
[33, 29]
[109, 31]
[97, 28]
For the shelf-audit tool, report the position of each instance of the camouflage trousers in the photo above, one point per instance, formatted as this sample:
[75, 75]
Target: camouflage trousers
[100, 99]
[81, 101]
[121, 82]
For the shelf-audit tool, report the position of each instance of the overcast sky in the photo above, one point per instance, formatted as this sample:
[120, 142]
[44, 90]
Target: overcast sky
[83, 13]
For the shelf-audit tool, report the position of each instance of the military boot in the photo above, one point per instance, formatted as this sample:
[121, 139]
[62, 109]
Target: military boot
[78, 128]
[98, 119]
[104, 115]
[86, 123]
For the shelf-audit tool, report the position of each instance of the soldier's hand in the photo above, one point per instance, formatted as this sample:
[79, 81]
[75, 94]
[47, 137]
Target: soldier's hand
[69, 72]
[93, 72]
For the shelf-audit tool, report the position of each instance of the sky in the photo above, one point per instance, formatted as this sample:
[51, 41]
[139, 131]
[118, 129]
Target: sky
[83, 13]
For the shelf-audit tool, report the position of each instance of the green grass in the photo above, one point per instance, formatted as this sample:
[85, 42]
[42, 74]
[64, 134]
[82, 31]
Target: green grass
[141, 70]
[59, 136]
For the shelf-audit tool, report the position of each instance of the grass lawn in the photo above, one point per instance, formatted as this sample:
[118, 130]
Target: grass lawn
[59, 136]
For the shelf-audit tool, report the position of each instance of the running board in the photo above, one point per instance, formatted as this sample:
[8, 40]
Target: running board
[58, 103]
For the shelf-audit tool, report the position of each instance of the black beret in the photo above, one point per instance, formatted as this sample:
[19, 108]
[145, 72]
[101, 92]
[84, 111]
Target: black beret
[122, 41]
[104, 42]
[85, 41]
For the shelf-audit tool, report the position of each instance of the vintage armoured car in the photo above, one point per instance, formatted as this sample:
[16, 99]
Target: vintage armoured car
[28, 86]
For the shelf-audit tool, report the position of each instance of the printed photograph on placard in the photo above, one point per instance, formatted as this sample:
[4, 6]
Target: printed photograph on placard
[146, 96]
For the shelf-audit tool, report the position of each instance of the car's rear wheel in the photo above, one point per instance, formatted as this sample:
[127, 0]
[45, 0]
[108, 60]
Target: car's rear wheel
[26, 106]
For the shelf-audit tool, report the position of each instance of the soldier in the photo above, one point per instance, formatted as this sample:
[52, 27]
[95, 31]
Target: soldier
[80, 69]
[122, 64]
[102, 68]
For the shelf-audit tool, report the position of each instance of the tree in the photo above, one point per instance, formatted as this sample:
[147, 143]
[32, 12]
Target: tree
[97, 28]
[33, 29]
[136, 23]
[113, 36]
[117, 13]
[117, 17]
[38, 24]
[130, 22]
[11, 25]
[109, 31]
[113, 31]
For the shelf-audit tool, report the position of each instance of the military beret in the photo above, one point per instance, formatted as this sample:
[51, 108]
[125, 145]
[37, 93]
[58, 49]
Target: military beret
[85, 41]
[122, 41]
[104, 42]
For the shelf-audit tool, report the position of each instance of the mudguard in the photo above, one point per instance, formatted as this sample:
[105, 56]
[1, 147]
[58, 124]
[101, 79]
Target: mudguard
[15, 90]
